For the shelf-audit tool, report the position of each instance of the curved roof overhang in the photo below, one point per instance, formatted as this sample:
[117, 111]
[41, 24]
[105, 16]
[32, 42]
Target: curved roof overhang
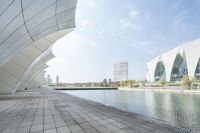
[151, 66]
[31, 77]
[29, 29]
[192, 56]
[168, 59]
[34, 67]
[25, 22]
[38, 80]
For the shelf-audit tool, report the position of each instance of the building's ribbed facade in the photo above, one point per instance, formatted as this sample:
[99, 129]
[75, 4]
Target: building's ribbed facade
[174, 64]
[121, 71]
[28, 28]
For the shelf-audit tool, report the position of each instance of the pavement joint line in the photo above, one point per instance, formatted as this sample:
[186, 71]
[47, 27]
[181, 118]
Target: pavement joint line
[50, 110]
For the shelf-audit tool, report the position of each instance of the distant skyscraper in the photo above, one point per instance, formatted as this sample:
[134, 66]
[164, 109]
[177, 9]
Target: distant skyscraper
[57, 79]
[109, 81]
[104, 82]
[49, 80]
[121, 71]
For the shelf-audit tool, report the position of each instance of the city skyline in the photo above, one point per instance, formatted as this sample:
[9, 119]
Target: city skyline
[103, 50]
[129, 31]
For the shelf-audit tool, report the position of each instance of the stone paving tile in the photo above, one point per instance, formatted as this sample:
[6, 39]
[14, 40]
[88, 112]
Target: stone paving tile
[55, 112]
[91, 130]
[74, 128]
[23, 130]
[35, 128]
[50, 131]
[49, 126]
[63, 129]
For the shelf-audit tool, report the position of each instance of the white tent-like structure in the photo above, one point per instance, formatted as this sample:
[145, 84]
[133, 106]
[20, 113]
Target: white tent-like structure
[174, 64]
[28, 28]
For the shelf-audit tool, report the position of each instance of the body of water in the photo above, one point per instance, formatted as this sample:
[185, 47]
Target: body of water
[181, 110]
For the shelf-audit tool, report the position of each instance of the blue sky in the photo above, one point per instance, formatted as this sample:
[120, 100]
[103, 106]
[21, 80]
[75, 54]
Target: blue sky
[112, 30]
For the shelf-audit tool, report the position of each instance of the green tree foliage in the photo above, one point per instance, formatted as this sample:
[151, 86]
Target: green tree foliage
[194, 83]
[129, 83]
[162, 83]
[142, 83]
[185, 82]
[123, 83]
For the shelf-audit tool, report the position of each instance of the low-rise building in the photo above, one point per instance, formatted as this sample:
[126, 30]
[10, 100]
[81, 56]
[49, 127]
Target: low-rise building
[176, 63]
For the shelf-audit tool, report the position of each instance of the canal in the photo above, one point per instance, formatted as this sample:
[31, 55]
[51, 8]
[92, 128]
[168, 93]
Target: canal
[182, 110]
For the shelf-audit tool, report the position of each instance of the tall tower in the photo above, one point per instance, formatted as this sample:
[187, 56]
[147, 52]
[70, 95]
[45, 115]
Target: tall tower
[121, 71]
[49, 80]
[57, 79]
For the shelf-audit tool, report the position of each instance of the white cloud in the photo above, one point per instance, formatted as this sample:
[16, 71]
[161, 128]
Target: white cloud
[147, 17]
[179, 18]
[130, 22]
[90, 3]
[124, 23]
[87, 3]
[149, 47]
[85, 23]
[101, 32]
[75, 57]
[72, 43]
[134, 14]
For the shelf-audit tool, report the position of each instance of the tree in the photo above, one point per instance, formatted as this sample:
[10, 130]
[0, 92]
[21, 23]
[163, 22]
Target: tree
[131, 82]
[142, 83]
[162, 83]
[185, 82]
[193, 82]
[123, 83]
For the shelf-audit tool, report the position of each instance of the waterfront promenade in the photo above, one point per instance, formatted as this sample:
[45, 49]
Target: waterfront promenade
[50, 111]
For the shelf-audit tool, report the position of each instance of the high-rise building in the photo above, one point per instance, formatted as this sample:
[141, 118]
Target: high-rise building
[49, 80]
[104, 82]
[57, 79]
[121, 71]
[109, 82]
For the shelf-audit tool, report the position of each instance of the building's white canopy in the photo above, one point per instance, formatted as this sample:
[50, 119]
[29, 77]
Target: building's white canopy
[38, 65]
[187, 52]
[27, 29]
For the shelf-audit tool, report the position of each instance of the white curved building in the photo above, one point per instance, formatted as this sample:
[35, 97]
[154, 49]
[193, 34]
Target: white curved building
[174, 64]
[28, 28]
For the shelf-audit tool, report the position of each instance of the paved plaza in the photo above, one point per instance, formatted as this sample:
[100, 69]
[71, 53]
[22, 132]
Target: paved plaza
[55, 112]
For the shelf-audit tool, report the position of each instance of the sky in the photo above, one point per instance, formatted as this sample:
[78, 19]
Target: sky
[113, 30]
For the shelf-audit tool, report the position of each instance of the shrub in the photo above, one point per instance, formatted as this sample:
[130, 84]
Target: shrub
[172, 84]
[185, 82]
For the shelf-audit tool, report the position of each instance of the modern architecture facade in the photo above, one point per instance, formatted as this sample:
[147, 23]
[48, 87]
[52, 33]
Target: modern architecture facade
[121, 71]
[57, 79]
[176, 63]
[28, 28]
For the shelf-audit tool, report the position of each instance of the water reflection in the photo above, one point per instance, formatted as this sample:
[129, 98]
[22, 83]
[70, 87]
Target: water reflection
[149, 100]
[177, 109]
